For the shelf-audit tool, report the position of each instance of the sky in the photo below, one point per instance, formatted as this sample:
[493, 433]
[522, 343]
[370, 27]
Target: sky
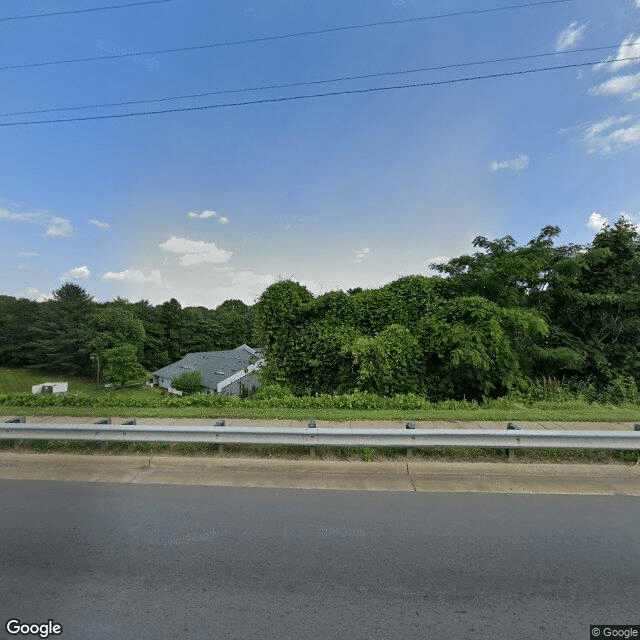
[217, 200]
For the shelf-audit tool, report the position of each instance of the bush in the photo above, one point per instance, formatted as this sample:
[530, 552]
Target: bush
[188, 382]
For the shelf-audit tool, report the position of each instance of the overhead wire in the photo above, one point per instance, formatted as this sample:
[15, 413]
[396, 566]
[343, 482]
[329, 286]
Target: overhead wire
[289, 85]
[66, 12]
[321, 95]
[283, 36]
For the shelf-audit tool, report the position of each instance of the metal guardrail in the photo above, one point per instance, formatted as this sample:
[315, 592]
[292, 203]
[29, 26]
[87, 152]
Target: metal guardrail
[511, 438]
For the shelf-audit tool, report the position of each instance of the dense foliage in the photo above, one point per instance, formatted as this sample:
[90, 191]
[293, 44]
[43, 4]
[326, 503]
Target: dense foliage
[188, 382]
[487, 325]
[74, 335]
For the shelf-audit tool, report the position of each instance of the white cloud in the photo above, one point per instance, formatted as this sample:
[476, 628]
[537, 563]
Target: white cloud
[635, 220]
[361, 254]
[18, 217]
[99, 224]
[59, 228]
[28, 254]
[619, 85]
[209, 214]
[204, 215]
[629, 48]
[516, 164]
[242, 285]
[437, 260]
[32, 292]
[608, 136]
[195, 251]
[77, 273]
[596, 221]
[134, 276]
[570, 36]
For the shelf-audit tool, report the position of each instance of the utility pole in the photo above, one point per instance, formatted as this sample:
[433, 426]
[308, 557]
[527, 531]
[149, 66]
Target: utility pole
[97, 357]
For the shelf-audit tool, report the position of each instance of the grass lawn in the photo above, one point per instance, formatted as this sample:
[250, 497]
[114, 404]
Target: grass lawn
[17, 380]
[542, 412]
[20, 380]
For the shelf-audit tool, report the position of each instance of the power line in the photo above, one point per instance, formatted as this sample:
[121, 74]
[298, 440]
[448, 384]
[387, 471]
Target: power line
[316, 82]
[321, 95]
[70, 11]
[284, 36]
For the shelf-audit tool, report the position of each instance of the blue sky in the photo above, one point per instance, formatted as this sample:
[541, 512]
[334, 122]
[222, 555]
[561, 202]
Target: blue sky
[335, 192]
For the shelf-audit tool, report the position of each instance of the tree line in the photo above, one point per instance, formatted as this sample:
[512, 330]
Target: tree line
[482, 326]
[485, 325]
[73, 334]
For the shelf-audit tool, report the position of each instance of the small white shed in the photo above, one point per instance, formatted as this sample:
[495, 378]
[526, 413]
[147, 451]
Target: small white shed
[51, 387]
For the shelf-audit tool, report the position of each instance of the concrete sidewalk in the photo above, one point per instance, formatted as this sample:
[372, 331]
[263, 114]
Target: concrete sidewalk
[406, 476]
[351, 424]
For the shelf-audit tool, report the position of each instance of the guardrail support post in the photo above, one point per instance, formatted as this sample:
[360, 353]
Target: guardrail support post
[220, 449]
[129, 422]
[312, 450]
[102, 445]
[409, 425]
[18, 420]
[511, 452]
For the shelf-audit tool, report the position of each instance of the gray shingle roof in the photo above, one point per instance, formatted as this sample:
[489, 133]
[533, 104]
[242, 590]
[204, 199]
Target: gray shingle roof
[214, 366]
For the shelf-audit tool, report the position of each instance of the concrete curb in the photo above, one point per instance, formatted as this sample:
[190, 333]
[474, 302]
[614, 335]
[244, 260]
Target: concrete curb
[317, 474]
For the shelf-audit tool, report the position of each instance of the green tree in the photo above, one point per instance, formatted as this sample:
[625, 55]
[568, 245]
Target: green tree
[121, 365]
[17, 319]
[188, 382]
[471, 347]
[233, 318]
[594, 301]
[59, 331]
[389, 362]
[170, 317]
[113, 325]
[277, 317]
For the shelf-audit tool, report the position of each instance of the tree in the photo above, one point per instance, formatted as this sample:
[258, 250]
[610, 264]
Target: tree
[114, 325]
[188, 382]
[59, 331]
[171, 318]
[233, 318]
[122, 364]
[594, 301]
[471, 347]
[389, 362]
[277, 316]
[17, 318]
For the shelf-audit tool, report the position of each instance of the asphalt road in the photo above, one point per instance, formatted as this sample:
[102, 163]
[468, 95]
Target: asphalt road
[123, 561]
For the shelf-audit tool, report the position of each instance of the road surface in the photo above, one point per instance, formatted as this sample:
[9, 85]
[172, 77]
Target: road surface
[142, 562]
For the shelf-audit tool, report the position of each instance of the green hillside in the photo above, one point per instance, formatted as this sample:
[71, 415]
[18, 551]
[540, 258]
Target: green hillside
[14, 380]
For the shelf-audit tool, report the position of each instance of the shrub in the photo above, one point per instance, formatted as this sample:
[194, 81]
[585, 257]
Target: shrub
[188, 382]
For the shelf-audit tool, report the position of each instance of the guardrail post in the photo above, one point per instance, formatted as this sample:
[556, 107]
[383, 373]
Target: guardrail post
[312, 450]
[129, 422]
[17, 420]
[409, 425]
[220, 423]
[102, 445]
[511, 452]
